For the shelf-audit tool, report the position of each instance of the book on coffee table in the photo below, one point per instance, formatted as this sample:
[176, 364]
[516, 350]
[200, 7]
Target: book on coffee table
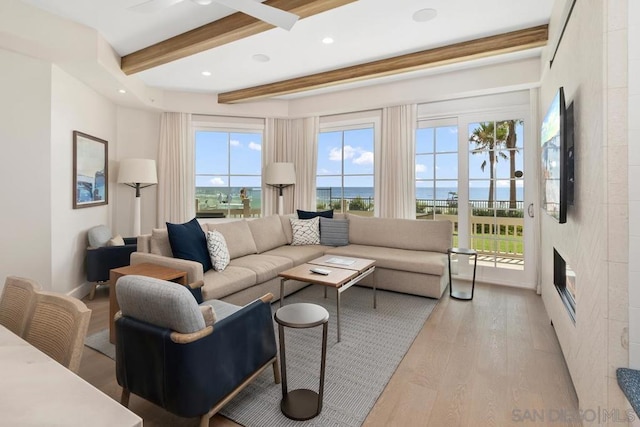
[340, 261]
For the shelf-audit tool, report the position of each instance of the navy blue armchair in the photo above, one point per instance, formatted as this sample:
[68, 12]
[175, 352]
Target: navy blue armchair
[101, 258]
[169, 351]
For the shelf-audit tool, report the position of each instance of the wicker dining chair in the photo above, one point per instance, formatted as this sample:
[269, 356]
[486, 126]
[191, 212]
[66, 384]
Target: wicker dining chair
[57, 325]
[17, 295]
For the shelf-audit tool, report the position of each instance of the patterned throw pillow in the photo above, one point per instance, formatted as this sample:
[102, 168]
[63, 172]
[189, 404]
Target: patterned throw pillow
[218, 250]
[305, 231]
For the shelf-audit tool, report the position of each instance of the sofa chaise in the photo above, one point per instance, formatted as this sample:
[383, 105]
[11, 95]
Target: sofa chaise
[411, 255]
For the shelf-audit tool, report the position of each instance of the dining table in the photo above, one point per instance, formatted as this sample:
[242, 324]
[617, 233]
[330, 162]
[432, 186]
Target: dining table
[36, 390]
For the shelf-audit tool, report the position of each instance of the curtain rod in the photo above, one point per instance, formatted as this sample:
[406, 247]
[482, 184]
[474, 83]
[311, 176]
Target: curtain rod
[564, 27]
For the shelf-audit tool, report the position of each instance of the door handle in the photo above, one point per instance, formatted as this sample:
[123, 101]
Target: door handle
[530, 210]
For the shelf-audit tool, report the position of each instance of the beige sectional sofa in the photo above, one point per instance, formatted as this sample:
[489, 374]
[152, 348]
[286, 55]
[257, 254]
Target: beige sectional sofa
[411, 255]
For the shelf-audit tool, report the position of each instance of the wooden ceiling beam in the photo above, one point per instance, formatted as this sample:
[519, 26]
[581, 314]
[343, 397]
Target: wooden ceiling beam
[226, 30]
[464, 51]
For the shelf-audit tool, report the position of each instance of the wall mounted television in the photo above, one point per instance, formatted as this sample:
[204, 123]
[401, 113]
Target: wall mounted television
[556, 159]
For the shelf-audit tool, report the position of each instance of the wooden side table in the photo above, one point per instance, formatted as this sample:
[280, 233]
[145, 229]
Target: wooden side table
[145, 269]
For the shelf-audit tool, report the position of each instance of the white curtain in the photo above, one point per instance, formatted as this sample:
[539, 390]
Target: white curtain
[292, 141]
[397, 162]
[276, 131]
[176, 173]
[304, 154]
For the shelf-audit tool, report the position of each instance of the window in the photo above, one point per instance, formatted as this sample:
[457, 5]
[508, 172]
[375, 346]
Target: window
[345, 174]
[228, 172]
[437, 172]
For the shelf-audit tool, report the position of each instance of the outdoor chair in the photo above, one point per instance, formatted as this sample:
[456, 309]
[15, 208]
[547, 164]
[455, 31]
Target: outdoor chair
[190, 359]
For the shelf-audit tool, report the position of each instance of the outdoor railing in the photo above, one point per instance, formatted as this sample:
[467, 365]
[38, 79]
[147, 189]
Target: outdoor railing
[496, 231]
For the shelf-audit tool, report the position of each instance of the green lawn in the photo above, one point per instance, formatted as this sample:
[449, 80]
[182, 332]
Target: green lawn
[481, 243]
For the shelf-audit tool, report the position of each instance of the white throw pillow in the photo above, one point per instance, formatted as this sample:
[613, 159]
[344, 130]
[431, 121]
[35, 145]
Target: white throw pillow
[305, 231]
[218, 250]
[116, 241]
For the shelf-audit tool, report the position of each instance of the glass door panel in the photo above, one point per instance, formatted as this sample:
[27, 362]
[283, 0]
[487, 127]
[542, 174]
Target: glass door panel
[496, 192]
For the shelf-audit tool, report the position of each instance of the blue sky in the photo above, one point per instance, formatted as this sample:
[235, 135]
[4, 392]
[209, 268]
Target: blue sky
[351, 151]
[212, 159]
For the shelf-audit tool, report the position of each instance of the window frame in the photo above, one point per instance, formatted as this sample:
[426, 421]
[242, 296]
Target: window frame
[229, 125]
[356, 121]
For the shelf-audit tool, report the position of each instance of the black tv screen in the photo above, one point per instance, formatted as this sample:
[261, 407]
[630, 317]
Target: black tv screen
[553, 173]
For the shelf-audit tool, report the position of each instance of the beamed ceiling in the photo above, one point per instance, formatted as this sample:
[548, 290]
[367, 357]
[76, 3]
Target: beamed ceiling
[173, 48]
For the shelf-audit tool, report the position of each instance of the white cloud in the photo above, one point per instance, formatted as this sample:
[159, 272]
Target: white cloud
[217, 182]
[255, 146]
[420, 168]
[349, 152]
[358, 155]
[365, 158]
[335, 155]
[235, 143]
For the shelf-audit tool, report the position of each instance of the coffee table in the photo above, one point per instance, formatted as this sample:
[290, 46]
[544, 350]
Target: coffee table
[144, 269]
[344, 273]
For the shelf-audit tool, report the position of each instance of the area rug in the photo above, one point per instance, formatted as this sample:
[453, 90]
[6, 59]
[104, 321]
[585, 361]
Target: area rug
[100, 342]
[373, 342]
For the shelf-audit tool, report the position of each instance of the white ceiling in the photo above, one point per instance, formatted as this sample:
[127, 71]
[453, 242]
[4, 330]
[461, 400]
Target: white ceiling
[364, 31]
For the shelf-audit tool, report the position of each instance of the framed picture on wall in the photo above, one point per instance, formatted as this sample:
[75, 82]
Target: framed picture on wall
[90, 171]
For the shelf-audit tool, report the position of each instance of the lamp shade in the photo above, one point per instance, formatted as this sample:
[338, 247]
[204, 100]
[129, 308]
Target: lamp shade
[137, 171]
[280, 174]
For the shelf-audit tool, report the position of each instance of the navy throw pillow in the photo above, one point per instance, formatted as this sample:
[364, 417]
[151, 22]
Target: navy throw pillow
[311, 215]
[189, 242]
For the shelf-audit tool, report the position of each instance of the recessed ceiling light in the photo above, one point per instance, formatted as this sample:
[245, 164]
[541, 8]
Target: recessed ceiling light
[327, 40]
[424, 15]
[259, 57]
[206, 73]
[122, 91]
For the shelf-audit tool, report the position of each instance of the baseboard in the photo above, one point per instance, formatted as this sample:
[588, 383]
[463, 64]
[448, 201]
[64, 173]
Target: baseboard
[81, 291]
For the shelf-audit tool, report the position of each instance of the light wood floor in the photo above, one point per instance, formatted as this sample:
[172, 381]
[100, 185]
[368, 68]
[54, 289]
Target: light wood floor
[486, 362]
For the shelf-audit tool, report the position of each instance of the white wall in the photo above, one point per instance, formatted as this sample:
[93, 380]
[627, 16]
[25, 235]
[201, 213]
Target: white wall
[25, 169]
[633, 130]
[461, 83]
[41, 105]
[138, 137]
[591, 66]
[74, 106]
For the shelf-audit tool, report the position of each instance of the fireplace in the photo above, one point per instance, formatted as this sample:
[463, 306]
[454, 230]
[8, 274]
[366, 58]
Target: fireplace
[564, 279]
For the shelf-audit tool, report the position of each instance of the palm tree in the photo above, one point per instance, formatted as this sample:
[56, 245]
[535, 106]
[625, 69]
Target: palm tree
[489, 139]
[510, 145]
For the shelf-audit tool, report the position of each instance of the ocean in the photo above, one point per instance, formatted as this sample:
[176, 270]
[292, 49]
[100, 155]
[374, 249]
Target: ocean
[211, 197]
[443, 193]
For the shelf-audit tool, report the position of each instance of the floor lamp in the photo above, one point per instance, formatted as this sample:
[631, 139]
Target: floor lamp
[280, 175]
[137, 173]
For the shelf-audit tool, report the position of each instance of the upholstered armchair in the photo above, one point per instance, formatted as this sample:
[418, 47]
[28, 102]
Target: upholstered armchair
[190, 359]
[105, 253]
